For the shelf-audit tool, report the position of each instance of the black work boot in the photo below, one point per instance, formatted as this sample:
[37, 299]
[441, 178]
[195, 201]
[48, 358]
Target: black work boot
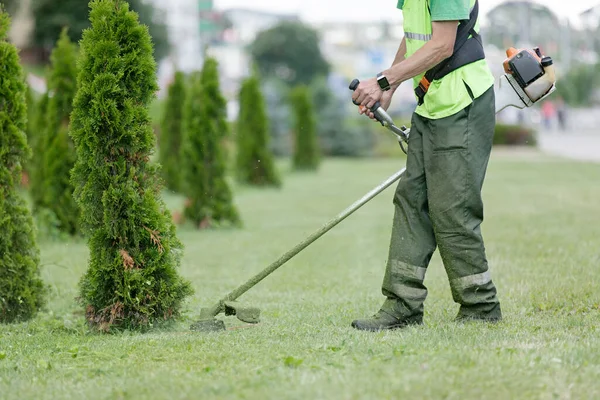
[384, 321]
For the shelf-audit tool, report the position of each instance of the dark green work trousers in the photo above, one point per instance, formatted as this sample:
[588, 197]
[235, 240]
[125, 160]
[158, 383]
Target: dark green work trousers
[438, 204]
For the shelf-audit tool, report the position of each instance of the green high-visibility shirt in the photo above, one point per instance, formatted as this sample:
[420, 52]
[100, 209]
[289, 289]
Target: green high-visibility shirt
[448, 95]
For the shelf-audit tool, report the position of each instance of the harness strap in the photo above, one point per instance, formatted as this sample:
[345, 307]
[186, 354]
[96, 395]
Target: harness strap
[466, 51]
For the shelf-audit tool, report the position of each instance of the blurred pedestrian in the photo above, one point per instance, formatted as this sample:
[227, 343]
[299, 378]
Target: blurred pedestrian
[548, 113]
[438, 200]
[561, 112]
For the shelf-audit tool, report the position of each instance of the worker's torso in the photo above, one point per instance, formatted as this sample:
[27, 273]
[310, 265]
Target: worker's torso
[448, 95]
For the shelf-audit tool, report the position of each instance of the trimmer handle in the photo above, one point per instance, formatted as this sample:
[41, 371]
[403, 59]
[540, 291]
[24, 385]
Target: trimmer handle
[353, 85]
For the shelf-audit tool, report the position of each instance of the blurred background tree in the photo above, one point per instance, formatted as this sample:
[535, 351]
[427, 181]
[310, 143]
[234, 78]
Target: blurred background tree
[10, 5]
[580, 86]
[171, 133]
[338, 133]
[254, 161]
[203, 155]
[290, 51]
[37, 138]
[58, 156]
[306, 146]
[52, 16]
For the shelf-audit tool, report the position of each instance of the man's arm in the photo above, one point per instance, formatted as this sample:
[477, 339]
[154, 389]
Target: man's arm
[432, 53]
[440, 47]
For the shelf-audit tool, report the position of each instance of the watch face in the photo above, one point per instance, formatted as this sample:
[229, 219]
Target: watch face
[383, 82]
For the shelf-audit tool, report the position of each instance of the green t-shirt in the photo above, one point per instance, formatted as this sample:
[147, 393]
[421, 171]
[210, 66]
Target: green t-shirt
[446, 10]
[448, 95]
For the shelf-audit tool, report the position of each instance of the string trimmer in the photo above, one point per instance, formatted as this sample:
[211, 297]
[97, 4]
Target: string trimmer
[528, 78]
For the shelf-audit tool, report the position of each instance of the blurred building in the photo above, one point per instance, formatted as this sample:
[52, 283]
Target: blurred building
[230, 44]
[590, 18]
[361, 50]
[182, 20]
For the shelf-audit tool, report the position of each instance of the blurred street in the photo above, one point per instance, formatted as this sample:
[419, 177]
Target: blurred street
[580, 140]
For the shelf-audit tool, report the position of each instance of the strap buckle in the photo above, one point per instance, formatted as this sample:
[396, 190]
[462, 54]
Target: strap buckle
[421, 89]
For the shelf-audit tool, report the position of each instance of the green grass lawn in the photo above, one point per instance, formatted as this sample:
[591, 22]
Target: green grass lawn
[541, 232]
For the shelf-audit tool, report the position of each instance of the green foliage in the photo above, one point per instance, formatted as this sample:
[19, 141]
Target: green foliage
[514, 135]
[290, 51]
[29, 130]
[276, 93]
[37, 142]
[254, 164]
[132, 280]
[338, 134]
[22, 292]
[209, 197]
[580, 85]
[306, 147]
[52, 16]
[171, 131]
[59, 151]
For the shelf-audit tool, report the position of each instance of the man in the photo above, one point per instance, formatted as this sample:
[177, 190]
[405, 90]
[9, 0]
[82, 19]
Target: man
[438, 201]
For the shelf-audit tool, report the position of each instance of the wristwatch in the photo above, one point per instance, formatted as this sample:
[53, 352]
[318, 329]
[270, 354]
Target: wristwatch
[384, 84]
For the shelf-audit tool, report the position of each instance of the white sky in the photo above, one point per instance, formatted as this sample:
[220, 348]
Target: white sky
[372, 10]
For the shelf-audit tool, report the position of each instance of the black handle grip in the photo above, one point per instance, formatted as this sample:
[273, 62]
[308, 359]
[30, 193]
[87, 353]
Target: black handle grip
[353, 85]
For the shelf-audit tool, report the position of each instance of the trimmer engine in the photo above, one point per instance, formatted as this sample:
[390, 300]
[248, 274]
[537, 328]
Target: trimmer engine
[529, 77]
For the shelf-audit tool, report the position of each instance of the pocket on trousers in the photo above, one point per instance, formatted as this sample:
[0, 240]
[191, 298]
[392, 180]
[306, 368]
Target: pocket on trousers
[447, 186]
[451, 133]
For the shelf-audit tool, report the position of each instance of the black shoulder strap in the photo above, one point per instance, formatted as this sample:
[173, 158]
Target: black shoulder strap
[465, 28]
[466, 50]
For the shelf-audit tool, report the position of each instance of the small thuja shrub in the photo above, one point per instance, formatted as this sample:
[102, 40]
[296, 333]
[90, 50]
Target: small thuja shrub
[254, 160]
[59, 153]
[22, 292]
[171, 131]
[306, 145]
[209, 197]
[132, 280]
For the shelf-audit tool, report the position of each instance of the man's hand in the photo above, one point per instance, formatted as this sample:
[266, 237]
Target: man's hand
[386, 100]
[367, 93]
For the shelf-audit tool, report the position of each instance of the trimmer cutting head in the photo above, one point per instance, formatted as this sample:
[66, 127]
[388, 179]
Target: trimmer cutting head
[208, 322]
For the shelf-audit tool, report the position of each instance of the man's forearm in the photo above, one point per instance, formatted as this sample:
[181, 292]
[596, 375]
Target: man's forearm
[428, 56]
[399, 57]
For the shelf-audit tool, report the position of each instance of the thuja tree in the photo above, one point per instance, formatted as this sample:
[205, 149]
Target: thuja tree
[22, 292]
[306, 146]
[171, 132]
[29, 131]
[36, 165]
[132, 280]
[254, 161]
[215, 104]
[59, 152]
[209, 197]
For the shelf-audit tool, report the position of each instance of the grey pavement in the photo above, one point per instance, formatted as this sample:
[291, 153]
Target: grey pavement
[580, 140]
[579, 145]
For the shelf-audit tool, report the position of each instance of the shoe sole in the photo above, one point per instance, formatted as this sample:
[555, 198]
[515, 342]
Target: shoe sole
[385, 328]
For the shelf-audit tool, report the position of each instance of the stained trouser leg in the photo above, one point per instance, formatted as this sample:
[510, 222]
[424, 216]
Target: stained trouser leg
[412, 241]
[456, 156]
